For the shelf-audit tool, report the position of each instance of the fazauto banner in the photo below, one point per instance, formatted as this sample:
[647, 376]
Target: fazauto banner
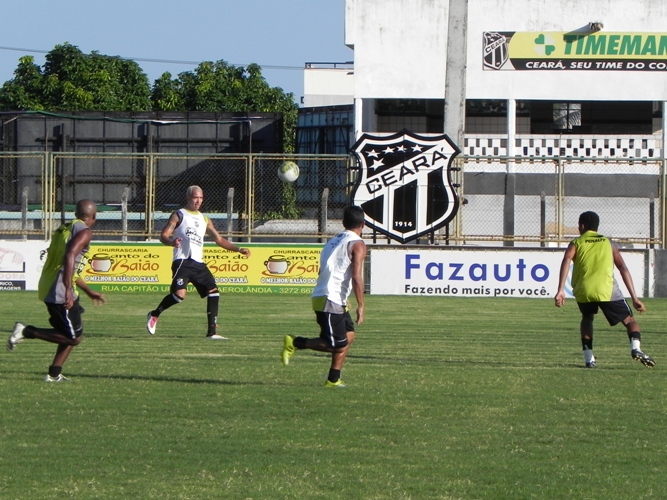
[478, 272]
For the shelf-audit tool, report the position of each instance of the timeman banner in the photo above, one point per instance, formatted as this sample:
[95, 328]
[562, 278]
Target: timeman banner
[592, 51]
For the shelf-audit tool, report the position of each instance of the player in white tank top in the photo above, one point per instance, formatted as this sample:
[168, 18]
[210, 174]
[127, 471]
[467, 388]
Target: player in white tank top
[185, 231]
[190, 232]
[341, 272]
[335, 279]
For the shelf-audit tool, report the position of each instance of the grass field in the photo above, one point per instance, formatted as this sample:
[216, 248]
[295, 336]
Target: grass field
[446, 398]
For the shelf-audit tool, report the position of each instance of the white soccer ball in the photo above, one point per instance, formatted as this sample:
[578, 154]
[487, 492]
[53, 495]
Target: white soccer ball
[288, 171]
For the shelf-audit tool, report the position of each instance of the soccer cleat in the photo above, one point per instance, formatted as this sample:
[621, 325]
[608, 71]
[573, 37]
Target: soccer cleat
[215, 336]
[288, 349]
[645, 359]
[16, 337]
[59, 378]
[591, 364]
[338, 383]
[151, 323]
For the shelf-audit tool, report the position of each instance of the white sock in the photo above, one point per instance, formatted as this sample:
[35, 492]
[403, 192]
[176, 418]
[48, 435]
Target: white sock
[635, 344]
[588, 356]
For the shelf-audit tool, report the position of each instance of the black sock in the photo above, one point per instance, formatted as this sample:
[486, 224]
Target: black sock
[167, 302]
[334, 375]
[54, 371]
[299, 342]
[212, 303]
[587, 344]
[29, 332]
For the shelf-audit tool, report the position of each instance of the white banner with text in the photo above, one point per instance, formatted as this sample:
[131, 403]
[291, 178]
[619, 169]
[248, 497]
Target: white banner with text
[480, 272]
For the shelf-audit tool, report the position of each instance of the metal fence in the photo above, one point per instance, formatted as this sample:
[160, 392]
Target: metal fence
[136, 193]
[505, 201]
[538, 200]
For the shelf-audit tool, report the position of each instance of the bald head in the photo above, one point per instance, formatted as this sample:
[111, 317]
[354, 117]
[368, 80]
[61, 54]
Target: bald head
[86, 211]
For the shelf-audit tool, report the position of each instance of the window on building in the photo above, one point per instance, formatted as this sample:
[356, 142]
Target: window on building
[416, 115]
[486, 116]
[489, 116]
[591, 117]
[325, 130]
[566, 115]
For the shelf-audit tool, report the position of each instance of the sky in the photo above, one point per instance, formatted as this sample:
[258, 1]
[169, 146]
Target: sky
[176, 35]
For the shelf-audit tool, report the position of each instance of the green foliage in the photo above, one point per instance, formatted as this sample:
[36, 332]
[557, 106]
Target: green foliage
[447, 398]
[165, 95]
[221, 87]
[23, 92]
[73, 81]
[289, 208]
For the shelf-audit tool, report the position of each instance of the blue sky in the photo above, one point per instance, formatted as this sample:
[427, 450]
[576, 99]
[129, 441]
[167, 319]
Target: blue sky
[279, 35]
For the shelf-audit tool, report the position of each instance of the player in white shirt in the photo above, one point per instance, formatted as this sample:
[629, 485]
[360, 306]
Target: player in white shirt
[185, 231]
[341, 272]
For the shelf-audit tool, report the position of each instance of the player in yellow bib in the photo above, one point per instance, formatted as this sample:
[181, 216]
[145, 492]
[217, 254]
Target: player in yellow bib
[594, 287]
[61, 275]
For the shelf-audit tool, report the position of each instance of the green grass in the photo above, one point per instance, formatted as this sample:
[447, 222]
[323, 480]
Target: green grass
[446, 398]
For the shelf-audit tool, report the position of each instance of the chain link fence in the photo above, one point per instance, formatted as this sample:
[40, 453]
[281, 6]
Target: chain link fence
[311, 205]
[538, 200]
[527, 201]
[27, 195]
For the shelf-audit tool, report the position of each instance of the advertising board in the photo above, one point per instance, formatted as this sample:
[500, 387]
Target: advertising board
[146, 267]
[479, 273]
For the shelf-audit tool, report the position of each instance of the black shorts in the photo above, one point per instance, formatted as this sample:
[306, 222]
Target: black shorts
[186, 271]
[615, 311]
[66, 321]
[334, 328]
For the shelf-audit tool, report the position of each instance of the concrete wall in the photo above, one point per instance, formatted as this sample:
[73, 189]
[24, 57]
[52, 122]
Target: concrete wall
[328, 86]
[563, 16]
[660, 273]
[400, 48]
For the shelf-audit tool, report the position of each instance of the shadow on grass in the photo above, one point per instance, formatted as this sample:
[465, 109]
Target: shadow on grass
[152, 378]
[487, 363]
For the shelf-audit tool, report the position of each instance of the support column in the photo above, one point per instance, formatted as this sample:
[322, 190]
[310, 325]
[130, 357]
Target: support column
[663, 197]
[510, 175]
[455, 91]
[364, 117]
[455, 73]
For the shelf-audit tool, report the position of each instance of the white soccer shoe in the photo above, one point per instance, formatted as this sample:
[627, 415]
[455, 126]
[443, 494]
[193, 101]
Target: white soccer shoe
[16, 337]
[215, 336]
[151, 323]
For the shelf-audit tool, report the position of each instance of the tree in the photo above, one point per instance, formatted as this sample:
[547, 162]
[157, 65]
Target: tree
[74, 81]
[24, 91]
[166, 95]
[221, 87]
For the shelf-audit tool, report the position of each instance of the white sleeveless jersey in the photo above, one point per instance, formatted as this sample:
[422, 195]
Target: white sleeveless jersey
[335, 279]
[192, 230]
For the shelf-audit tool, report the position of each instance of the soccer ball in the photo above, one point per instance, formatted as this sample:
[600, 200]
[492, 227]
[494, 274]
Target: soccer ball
[288, 171]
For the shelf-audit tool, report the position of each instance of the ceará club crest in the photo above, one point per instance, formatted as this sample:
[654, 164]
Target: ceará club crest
[404, 184]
